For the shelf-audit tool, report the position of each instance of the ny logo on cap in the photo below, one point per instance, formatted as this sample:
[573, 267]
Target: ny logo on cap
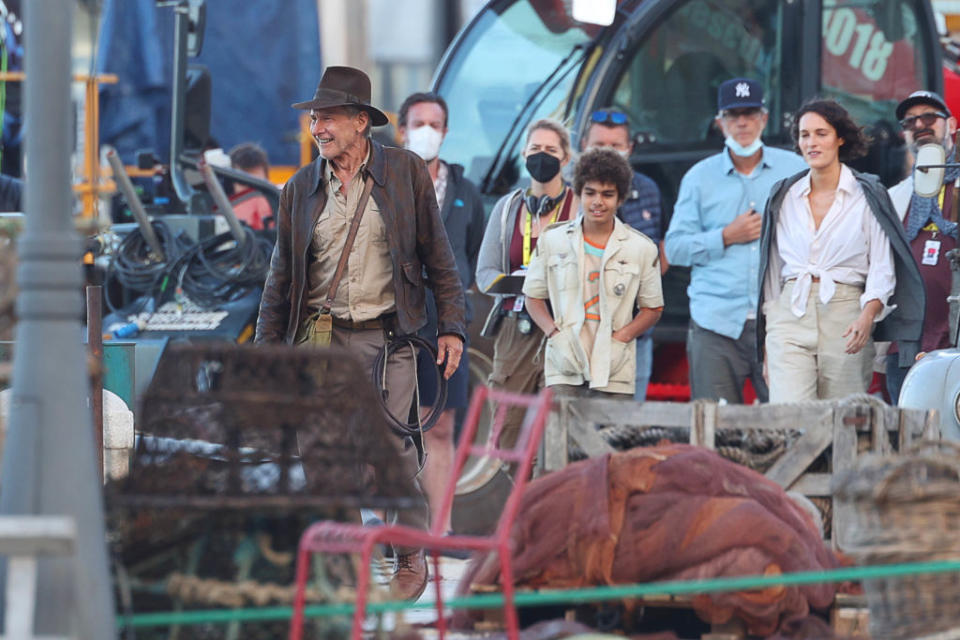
[743, 90]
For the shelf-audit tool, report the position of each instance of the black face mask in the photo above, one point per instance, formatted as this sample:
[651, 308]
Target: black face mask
[542, 166]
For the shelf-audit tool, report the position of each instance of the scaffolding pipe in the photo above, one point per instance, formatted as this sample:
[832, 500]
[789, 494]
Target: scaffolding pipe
[223, 203]
[49, 462]
[125, 186]
[178, 112]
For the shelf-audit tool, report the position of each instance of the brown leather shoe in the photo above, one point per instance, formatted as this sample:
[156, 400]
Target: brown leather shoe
[410, 579]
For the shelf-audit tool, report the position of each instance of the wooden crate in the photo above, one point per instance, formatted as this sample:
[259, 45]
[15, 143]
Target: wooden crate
[849, 426]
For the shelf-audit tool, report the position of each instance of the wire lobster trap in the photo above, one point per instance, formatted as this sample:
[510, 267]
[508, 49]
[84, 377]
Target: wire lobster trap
[238, 450]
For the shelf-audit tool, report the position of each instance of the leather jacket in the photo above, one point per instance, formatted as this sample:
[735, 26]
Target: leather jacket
[416, 237]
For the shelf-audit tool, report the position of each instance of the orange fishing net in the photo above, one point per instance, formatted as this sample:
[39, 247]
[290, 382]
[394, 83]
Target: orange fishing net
[672, 512]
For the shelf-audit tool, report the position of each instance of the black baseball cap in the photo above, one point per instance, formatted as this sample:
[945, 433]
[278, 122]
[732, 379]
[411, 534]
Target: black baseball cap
[922, 97]
[739, 93]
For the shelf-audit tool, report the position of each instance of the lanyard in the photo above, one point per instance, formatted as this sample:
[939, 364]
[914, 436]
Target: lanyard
[947, 199]
[528, 229]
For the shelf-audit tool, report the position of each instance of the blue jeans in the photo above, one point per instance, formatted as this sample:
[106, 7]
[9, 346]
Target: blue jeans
[644, 366]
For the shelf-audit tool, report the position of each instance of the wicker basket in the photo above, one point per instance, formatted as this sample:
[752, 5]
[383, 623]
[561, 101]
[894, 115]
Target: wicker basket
[906, 508]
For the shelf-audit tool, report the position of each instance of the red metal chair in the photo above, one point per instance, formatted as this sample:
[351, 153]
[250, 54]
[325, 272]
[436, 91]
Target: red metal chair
[338, 537]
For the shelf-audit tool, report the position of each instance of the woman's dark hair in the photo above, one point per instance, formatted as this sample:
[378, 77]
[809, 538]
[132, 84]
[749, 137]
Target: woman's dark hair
[603, 166]
[855, 141]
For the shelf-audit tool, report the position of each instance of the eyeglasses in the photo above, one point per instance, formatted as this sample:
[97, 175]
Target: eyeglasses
[928, 118]
[751, 113]
[602, 116]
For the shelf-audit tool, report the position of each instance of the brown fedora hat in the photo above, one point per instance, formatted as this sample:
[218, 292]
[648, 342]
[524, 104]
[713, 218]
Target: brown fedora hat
[344, 86]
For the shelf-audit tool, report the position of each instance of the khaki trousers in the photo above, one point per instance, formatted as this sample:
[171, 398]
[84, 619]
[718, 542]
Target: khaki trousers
[366, 344]
[806, 357]
[517, 367]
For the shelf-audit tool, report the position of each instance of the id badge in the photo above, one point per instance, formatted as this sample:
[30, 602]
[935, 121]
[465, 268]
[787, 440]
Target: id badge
[518, 302]
[931, 252]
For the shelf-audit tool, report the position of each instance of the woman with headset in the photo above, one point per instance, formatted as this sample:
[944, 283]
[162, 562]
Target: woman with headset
[513, 228]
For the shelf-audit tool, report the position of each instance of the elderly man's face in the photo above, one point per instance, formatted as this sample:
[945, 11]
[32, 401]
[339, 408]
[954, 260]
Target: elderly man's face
[939, 129]
[743, 125]
[336, 131]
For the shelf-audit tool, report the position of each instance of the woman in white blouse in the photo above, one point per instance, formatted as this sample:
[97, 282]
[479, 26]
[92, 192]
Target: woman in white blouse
[829, 271]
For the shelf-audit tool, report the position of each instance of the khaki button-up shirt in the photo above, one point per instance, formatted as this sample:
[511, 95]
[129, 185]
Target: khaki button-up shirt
[366, 288]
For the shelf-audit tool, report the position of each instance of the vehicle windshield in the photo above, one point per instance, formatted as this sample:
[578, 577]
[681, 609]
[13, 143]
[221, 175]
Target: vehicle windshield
[496, 69]
[670, 87]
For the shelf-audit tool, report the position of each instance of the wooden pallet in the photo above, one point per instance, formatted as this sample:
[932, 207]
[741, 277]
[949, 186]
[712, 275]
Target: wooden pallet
[848, 427]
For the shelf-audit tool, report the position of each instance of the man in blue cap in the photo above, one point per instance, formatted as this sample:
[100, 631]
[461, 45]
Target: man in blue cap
[715, 229]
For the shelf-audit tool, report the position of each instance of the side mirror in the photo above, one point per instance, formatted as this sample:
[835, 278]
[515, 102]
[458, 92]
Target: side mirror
[929, 169]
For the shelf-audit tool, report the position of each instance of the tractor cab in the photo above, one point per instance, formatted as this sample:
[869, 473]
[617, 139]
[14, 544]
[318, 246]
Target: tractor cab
[661, 61]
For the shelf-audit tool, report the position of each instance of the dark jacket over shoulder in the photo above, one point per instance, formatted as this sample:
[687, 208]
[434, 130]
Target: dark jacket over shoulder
[418, 243]
[905, 323]
[463, 218]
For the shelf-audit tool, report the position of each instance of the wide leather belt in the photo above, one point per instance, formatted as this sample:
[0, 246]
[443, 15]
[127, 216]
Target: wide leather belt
[375, 323]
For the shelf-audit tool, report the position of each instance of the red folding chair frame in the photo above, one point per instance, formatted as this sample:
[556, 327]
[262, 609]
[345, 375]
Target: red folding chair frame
[339, 537]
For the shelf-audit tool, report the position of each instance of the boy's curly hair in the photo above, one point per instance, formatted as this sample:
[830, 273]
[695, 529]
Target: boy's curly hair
[603, 166]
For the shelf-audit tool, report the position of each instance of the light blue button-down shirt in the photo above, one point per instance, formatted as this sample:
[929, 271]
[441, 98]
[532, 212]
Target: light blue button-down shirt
[723, 280]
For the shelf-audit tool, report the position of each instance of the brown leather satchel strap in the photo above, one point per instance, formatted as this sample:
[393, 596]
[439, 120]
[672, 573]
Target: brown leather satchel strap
[348, 244]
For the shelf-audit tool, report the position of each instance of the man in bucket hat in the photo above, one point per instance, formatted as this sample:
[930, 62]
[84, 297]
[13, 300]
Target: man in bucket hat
[397, 238]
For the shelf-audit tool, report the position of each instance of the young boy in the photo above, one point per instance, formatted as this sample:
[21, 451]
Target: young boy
[595, 272]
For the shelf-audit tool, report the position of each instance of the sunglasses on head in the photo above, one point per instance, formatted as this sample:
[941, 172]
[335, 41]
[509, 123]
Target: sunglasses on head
[927, 119]
[601, 116]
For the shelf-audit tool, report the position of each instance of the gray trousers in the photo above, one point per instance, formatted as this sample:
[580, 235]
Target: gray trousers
[720, 365]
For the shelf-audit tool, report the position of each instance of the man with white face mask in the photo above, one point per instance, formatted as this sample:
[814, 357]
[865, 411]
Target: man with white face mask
[423, 125]
[715, 230]
[609, 128]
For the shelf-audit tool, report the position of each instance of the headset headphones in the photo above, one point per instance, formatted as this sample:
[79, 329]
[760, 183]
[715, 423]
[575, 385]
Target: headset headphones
[539, 205]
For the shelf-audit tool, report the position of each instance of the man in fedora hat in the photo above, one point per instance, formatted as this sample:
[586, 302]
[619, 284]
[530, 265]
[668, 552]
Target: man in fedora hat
[380, 201]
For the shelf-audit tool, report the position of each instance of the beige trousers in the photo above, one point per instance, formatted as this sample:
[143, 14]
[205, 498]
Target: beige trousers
[806, 357]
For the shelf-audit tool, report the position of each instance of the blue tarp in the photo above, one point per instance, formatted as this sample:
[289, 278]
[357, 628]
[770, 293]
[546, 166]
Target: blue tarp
[262, 55]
